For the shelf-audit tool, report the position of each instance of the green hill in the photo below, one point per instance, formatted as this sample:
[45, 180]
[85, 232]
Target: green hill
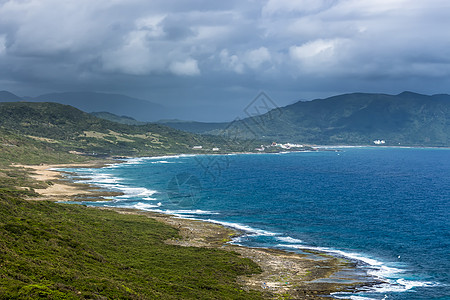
[66, 128]
[406, 119]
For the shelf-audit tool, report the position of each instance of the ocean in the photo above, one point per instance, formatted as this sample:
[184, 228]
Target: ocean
[386, 209]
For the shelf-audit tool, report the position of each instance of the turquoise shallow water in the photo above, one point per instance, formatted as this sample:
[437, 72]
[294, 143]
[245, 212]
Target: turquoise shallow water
[387, 209]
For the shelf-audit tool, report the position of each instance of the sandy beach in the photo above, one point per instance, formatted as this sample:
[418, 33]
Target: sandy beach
[285, 274]
[60, 189]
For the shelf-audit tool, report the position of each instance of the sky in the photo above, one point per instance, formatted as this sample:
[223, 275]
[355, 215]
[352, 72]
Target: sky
[209, 59]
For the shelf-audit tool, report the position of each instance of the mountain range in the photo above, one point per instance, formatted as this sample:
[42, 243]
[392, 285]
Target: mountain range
[406, 119]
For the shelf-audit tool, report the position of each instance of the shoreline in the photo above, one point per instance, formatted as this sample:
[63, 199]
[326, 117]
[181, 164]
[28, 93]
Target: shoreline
[58, 188]
[284, 273]
[312, 275]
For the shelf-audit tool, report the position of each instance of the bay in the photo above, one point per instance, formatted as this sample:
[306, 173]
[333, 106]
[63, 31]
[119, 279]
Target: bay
[388, 209]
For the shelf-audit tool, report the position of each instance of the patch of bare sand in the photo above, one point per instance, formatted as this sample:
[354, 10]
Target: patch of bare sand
[58, 189]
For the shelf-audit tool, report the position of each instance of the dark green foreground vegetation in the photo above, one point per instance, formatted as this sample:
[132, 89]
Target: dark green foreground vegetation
[57, 251]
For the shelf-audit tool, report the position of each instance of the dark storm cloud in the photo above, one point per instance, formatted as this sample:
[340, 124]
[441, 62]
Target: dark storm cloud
[197, 53]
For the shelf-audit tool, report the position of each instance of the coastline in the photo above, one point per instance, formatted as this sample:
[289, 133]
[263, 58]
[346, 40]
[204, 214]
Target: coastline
[60, 189]
[312, 275]
[284, 273]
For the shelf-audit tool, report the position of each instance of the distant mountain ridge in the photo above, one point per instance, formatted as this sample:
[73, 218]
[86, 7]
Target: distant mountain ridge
[139, 109]
[6, 96]
[406, 119]
[115, 118]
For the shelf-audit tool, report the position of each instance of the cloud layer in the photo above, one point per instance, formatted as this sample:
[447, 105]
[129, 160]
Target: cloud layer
[210, 51]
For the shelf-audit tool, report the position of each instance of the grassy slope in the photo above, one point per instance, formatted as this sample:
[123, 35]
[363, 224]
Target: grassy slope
[24, 150]
[59, 251]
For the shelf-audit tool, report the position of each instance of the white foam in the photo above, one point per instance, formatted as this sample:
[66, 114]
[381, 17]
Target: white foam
[112, 166]
[377, 269]
[104, 178]
[352, 297]
[245, 228]
[134, 161]
[288, 239]
[400, 285]
[237, 240]
[143, 206]
[191, 212]
[409, 284]
[135, 192]
[140, 160]
[111, 182]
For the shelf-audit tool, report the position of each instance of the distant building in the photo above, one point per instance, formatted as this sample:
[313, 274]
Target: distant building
[197, 147]
[215, 149]
[294, 145]
[379, 142]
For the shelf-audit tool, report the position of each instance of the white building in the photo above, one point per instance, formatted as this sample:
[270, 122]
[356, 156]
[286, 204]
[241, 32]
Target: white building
[379, 142]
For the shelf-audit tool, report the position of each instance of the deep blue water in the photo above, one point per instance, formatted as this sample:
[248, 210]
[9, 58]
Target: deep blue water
[388, 209]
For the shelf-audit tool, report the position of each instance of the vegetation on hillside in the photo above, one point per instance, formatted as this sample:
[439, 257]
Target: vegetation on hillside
[66, 128]
[25, 150]
[56, 251]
